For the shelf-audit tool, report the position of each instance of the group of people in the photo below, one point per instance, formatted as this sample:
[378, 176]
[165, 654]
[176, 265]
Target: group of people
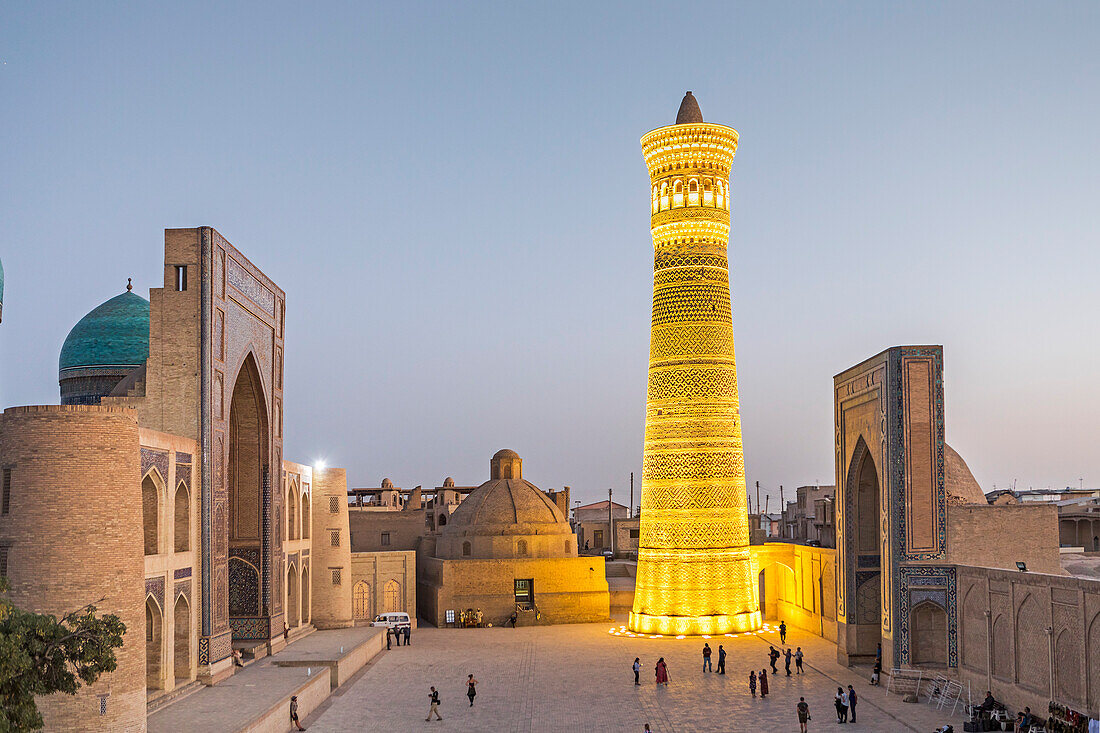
[845, 700]
[392, 633]
[433, 698]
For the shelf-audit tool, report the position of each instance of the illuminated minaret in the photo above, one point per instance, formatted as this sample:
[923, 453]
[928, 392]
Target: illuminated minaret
[695, 574]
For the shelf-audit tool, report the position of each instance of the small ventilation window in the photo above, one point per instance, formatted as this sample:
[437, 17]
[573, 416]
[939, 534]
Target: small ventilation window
[181, 278]
[334, 504]
[386, 538]
[103, 703]
[336, 576]
[4, 561]
[5, 492]
[334, 537]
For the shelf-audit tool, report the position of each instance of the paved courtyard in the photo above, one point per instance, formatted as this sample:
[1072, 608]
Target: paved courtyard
[578, 678]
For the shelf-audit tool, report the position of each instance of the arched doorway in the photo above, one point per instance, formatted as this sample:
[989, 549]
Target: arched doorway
[154, 641]
[182, 640]
[361, 600]
[928, 634]
[305, 595]
[247, 475]
[150, 512]
[292, 596]
[864, 551]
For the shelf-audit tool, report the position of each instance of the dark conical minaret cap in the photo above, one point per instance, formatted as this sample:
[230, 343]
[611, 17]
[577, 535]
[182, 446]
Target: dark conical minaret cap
[689, 111]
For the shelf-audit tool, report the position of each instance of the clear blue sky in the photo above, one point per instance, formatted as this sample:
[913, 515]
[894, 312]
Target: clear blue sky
[453, 197]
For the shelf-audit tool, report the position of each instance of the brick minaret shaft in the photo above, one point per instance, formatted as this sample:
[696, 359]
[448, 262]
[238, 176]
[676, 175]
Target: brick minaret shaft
[695, 573]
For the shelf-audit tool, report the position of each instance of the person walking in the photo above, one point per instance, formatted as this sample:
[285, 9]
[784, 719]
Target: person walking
[787, 662]
[661, 671]
[433, 698]
[876, 671]
[763, 683]
[706, 658]
[294, 712]
[471, 688]
[408, 633]
[798, 660]
[721, 660]
[841, 702]
[637, 669]
[852, 702]
[773, 657]
[752, 682]
[803, 714]
[782, 632]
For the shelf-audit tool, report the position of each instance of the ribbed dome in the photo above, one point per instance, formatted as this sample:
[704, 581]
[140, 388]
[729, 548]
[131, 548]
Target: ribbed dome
[499, 504]
[114, 334]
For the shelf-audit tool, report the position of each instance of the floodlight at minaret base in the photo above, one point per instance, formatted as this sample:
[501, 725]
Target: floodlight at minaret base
[696, 574]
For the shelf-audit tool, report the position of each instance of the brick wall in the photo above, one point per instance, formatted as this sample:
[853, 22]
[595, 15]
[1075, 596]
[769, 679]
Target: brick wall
[999, 536]
[331, 550]
[403, 528]
[1012, 625]
[76, 480]
[567, 590]
[383, 581]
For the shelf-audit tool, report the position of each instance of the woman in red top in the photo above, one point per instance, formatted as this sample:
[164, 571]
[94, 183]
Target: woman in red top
[763, 683]
[662, 672]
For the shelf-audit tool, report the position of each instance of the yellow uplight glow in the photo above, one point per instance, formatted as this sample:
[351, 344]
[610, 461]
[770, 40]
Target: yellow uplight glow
[695, 572]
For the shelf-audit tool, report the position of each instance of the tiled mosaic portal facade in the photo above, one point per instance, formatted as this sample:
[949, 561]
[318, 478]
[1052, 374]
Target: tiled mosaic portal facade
[889, 411]
[695, 573]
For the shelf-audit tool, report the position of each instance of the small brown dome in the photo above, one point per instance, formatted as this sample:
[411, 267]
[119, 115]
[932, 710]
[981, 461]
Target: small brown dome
[689, 111]
[448, 483]
[506, 464]
[387, 484]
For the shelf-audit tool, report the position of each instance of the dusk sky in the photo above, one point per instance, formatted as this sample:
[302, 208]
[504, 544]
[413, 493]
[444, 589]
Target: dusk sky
[453, 197]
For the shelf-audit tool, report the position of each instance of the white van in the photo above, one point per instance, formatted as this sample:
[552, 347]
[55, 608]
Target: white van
[397, 620]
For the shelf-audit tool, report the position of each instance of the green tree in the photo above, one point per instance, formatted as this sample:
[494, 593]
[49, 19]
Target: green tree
[41, 654]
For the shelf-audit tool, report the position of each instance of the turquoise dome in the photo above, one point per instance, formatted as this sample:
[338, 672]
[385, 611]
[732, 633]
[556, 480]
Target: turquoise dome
[114, 335]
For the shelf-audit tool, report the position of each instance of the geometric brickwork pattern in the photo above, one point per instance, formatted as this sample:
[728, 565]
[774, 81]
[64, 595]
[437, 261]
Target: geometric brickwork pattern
[695, 574]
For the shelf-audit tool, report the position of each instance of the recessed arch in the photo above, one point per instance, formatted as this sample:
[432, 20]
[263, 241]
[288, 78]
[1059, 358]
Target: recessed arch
[292, 599]
[305, 594]
[305, 515]
[181, 646]
[152, 490]
[361, 600]
[928, 634]
[182, 523]
[247, 474]
[154, 643]
[391, 597]
[861, 530]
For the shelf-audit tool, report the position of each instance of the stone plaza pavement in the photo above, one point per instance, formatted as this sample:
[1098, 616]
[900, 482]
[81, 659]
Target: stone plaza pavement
[578, 678]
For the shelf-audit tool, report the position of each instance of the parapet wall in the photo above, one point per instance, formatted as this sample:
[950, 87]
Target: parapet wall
[1023, 635]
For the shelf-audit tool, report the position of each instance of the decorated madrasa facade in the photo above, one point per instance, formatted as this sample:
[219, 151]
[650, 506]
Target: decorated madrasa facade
[192, 526]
